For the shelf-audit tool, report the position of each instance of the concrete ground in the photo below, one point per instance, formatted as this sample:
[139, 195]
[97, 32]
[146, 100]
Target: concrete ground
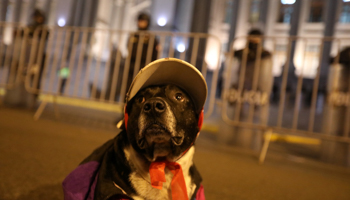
[35, 156]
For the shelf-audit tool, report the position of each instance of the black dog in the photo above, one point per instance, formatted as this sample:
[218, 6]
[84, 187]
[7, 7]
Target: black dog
[164, 123]
[151, 158]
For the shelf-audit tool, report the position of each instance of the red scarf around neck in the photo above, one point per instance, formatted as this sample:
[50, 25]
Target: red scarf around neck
[178, 185]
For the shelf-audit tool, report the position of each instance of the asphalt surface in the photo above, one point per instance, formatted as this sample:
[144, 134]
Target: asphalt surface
[35, 156]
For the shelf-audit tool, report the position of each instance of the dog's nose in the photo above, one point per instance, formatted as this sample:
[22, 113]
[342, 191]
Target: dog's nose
[147, 107]
[158, 106]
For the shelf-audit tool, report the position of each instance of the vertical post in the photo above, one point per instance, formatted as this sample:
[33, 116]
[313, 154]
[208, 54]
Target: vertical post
[17, 11]
[112, 16]
[87, 13]
[47, 7]
[3, 10]
[264, 6]
[30, 10]
[183, 15]
[265, 147]
[200, 19]
[93, 13]
[78, 13]
[200, 24]
[294, 28]
[72, 13]
[330, 21]
[47, 10]
[233, 23]
[40, 109]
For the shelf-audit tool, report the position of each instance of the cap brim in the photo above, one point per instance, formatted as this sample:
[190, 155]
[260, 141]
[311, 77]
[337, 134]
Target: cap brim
[172, 71]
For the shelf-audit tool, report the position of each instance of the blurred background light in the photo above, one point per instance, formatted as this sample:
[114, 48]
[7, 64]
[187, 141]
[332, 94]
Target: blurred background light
[161, 21]
[61, 22]
[211, 54]
[288, 1]
[181, 47]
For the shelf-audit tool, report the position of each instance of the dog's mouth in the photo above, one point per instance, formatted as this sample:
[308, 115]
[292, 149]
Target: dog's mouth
[159, 140]
[156, 132]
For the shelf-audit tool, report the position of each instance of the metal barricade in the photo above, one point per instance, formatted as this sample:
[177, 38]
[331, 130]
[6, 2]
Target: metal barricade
[14, 41]
[249, 99]
[250, 84]
[99, 64]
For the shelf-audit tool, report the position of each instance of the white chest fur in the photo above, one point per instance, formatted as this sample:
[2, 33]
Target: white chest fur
[140, 178]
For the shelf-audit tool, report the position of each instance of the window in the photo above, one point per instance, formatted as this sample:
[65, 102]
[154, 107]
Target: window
[316, 11]
[281, 47]
[228, 11]
[254, 11]
[312, 48]
[345, 12]
[286, 10]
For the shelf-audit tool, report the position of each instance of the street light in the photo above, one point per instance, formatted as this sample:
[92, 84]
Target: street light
[61, 22]
[288, 1]
[161, 21]
[181, 47]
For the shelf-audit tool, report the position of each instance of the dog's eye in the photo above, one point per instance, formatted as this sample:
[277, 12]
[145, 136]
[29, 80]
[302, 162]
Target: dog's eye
[179, 97]
[141, 99]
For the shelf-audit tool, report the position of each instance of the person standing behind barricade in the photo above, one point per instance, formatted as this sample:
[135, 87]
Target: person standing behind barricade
[253, 93]
[37, 68]
[144, 37]
[140, 39]
[252, 47]
[19, 96]
[141, 36]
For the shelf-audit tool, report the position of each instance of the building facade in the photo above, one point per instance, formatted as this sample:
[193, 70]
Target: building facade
[226, 19]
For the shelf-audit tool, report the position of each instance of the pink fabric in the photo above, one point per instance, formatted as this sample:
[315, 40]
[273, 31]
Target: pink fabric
[200, 193]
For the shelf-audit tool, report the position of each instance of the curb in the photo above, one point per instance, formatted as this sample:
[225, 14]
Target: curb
[275, 137]
[82, 103]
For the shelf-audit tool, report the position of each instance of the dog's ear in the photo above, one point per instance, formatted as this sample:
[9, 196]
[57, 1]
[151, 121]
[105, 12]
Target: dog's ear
[122, 124]
[126, 117]
[200, 119]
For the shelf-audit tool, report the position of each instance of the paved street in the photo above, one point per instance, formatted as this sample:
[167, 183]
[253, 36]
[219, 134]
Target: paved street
[37, 155]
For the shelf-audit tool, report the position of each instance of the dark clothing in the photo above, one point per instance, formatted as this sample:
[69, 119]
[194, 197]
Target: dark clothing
[252, 53]
[104, 175]
[250, 65]
[146, 39]
[41, 32]
[344, 57]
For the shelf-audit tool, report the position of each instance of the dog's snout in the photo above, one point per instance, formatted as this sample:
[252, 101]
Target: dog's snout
[156, 105]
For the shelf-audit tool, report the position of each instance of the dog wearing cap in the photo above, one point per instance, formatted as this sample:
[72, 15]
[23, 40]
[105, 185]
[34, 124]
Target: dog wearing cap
[152, 156]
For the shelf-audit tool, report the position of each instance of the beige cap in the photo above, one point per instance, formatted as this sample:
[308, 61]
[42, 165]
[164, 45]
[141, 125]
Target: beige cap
[172, 71]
